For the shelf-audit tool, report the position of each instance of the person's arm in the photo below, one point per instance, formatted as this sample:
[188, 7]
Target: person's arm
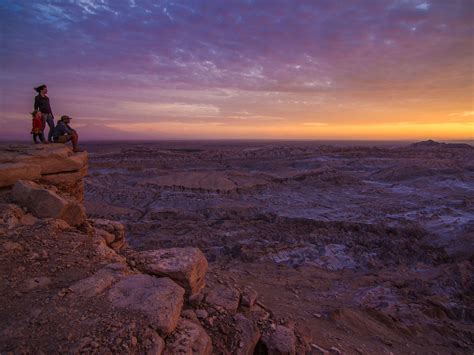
[61, 129]
[69, 129]
[50, 110]
[36, 104]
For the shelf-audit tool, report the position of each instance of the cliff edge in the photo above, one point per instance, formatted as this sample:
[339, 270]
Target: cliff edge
[72, 284]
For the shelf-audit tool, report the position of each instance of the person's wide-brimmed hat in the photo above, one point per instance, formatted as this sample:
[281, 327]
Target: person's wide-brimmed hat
[39, 88]
[65, 117]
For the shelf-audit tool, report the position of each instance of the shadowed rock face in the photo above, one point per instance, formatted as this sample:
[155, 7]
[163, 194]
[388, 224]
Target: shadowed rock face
[44, 203]
[53, 164]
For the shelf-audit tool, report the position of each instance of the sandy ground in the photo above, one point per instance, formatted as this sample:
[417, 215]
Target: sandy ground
[365, 249]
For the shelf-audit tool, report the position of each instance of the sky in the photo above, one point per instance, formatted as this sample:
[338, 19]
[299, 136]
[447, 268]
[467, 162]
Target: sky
[249, 69]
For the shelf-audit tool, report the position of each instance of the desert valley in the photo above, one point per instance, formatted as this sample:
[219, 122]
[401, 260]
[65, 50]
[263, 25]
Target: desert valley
[357, 249]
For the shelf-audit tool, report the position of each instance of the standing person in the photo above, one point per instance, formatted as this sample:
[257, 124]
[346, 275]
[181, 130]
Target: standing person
[42, 105]
[36, 130]
[64, 133]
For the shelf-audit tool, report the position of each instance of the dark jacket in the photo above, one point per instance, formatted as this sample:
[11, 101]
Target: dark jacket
[42, 104]
[61, 129]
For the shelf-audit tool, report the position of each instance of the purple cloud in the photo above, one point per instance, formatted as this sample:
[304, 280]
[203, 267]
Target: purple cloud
[330, 49]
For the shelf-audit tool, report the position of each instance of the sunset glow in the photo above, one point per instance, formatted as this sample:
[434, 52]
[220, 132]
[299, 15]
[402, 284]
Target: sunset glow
[367, 69]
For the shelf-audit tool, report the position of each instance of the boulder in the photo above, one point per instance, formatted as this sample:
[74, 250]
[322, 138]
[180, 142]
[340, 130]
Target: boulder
[249, 335]
[159, 299]
[187, 266]
[249, 296]
[44, 203]
[99, 282]
[188, 338]
[112, 232]
[225, 297]
[12, 172]
[69, 182]
[280, 342]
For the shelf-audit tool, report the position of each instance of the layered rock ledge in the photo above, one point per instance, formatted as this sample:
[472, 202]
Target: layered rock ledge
[49, 164]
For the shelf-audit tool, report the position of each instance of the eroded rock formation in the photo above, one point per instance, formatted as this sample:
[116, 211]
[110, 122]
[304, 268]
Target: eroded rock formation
[73, 284]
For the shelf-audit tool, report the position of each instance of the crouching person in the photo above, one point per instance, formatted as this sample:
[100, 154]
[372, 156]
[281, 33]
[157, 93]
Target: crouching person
[64, 133]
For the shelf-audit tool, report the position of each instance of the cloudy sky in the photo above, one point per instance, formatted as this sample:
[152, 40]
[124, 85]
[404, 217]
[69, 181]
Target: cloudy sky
[311, 69]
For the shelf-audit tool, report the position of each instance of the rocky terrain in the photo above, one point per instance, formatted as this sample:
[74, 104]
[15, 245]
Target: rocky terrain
[237, 248]
[362, 249]
[71, 284]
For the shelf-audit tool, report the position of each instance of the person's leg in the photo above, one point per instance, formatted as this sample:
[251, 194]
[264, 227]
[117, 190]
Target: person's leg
[34, 138]
[50, 121]
[74, 139]
[41, 137]
[43, 121]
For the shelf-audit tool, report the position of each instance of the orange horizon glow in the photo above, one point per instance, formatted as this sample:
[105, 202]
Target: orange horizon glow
[378, 70]
[384, 131]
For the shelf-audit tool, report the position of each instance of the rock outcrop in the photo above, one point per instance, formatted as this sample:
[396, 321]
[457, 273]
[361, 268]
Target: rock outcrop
[187, 266]
[44, 203]
[53, 164]
[73, 284]
[159, 299]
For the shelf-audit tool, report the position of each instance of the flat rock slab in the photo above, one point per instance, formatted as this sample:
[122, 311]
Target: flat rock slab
[225, 297]
[186, 266]
[44, 203]
[159, 299]
[188, 338]
[49, 158]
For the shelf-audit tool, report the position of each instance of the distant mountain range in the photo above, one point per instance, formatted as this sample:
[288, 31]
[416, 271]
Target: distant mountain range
[433, 144]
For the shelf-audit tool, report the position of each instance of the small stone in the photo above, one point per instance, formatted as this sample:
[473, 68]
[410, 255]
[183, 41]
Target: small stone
[249, 296]
[202, 314]
[12, 247]
[189, 314]
[36, 282]
[196, 299]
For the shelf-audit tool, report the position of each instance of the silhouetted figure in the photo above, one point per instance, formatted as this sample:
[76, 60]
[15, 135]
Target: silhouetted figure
[42, 105]
[64, 133]
[37, 127]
